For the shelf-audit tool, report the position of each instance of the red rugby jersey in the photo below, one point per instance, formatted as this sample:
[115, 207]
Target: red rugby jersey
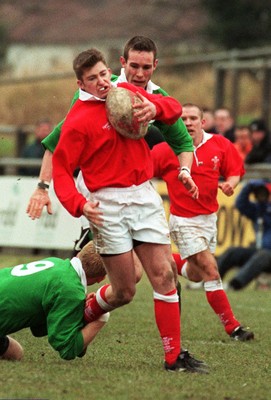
[106, 158]
[214, 157]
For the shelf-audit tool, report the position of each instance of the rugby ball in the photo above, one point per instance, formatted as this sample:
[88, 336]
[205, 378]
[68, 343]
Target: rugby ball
[120, 113]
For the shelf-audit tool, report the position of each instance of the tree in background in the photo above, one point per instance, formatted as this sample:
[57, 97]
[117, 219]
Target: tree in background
[239, 23]
[3, 45]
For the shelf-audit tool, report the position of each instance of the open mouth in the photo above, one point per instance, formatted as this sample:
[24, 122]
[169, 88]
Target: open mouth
[139, 83]
[103, 89]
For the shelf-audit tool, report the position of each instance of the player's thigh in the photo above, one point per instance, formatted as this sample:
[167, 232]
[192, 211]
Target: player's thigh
[138, 267]
[121, 270]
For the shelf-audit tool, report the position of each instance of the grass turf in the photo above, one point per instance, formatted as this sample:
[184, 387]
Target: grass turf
[125, 362]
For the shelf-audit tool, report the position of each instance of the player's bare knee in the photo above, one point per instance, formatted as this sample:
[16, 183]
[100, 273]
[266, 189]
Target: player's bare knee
[213, 272]
[196, 278]
[174, 270]
[211, 275]
[205, 270]
[170, 274]
[124, 296]
[164, 276]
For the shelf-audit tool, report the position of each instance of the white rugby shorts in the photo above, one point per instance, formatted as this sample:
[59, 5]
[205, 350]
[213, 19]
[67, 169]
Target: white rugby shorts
[135, 212]
[81, 186]
[195, 234]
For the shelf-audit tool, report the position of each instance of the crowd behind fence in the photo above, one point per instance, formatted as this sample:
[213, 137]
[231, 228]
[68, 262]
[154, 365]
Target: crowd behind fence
[10, 165]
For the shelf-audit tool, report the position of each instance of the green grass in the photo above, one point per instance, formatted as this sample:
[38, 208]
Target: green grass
[7, 146]
[125, 360]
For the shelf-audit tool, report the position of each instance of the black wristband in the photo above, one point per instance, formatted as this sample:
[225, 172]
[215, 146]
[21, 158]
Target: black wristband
[43, 185]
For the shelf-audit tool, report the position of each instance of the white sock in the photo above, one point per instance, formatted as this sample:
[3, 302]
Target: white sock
[212, 286]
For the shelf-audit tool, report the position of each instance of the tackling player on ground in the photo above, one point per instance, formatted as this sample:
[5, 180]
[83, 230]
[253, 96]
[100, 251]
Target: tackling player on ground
[48, 296]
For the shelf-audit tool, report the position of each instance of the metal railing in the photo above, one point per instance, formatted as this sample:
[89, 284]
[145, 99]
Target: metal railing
[10, 166]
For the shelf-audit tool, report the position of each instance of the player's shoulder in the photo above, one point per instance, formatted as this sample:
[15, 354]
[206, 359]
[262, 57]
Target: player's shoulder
[220, 139]
[160, 91]
[50, 262]
[129, 86]
[162, 146]
[162, 149]
[60, 268]
[75, 98]
[114, 78]
[81, 108]
[76, 94]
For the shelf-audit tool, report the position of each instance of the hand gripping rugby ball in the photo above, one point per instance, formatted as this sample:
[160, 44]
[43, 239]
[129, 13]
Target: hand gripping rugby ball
[120, 113]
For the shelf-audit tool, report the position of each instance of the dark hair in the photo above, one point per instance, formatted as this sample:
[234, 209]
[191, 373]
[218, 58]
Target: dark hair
[258, 125]
[87, 59]
[140, 43]
[261, 193]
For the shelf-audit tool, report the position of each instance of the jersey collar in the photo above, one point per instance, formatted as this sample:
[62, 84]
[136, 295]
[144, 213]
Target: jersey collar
[77, 265]
[85, 96]
[150, 86]
[206, 136]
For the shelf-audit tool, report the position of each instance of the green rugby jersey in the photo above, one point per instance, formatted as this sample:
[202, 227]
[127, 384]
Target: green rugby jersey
[48, 297]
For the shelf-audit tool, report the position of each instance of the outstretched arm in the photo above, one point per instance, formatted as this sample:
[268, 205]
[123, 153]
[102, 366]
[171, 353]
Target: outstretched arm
[90, 331]
[40, 197]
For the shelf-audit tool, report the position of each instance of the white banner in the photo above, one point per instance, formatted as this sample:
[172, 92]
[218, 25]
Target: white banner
[57, 231]
[60, 230]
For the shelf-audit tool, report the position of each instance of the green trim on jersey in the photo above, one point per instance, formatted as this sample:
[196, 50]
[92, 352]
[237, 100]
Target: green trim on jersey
[45, 293]
[176, 135]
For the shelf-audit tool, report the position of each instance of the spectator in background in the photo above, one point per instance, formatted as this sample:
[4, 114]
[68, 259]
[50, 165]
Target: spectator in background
[209, 120]
[35, 149]
[261, 149]
[242, 143]
[256, 259]
[224, 123]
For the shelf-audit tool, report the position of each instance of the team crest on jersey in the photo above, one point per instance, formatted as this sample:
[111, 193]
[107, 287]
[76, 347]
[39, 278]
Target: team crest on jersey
[215, 160]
